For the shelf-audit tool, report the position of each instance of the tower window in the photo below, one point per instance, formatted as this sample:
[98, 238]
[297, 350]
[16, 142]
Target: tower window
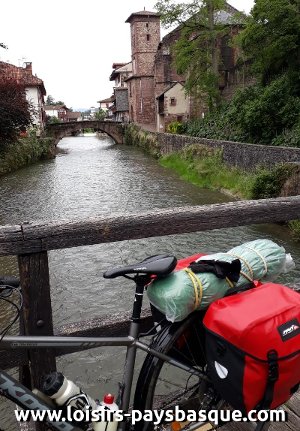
[148, 37]
[147, 25]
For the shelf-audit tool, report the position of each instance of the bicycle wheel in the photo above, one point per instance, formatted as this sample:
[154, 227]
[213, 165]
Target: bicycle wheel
[162, 386]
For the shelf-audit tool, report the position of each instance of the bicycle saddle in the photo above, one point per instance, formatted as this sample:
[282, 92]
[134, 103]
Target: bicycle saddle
[160, 265]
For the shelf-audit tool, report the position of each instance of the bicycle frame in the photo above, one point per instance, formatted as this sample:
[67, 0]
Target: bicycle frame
[22, 396]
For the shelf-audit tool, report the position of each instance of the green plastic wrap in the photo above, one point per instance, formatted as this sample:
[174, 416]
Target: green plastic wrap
[183, 292]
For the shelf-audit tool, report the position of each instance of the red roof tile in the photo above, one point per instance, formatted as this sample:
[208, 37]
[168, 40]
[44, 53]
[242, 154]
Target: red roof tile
[22, 75]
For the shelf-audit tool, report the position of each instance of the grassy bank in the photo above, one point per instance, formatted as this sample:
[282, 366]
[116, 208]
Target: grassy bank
[24, 152]
[203, 167]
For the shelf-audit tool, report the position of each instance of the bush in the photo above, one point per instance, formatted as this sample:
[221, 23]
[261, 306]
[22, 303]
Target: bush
[215, 125]
[15, 110]
[269, 183]
[263, 113]
[25, 152]
[294, 225]
[289, 137]
[176, 127]
[257, 114]
[139, 138]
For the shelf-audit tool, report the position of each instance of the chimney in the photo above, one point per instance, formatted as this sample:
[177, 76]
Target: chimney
[28, 67]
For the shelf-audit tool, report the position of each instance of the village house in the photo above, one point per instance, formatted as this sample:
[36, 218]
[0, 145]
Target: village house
[58, 111]
[155, 90]
[172, 105]
[107, 105]
[73, 116]
[145, 37]
[120, 74]
[34, 87]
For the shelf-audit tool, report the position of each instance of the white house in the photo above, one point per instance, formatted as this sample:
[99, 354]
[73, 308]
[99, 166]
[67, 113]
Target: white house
[34, 87]
[171, 105]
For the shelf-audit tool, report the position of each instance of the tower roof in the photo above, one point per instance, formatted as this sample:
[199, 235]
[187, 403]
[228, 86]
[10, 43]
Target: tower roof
[144, 14]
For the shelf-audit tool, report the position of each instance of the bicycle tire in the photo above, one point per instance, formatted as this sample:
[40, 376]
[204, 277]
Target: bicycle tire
[183, 341]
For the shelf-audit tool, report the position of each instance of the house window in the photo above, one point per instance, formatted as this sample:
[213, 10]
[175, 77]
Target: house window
[147, 25]
[173, 101]
[148, 37]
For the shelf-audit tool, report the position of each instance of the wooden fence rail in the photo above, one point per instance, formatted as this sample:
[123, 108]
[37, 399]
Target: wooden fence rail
[28, 238]
[31, 242]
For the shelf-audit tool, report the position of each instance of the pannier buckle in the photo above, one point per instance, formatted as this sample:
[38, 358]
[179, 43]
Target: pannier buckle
[273, 372]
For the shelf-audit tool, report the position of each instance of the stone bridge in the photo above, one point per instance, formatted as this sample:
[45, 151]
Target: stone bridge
[113, 128]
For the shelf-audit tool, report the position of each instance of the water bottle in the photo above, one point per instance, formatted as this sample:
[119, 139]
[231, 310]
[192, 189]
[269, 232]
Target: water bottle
[107, 406]
[65, 393]
[44, 397]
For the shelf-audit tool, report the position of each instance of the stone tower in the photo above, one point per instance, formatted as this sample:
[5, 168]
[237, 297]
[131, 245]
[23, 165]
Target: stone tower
[145, 37]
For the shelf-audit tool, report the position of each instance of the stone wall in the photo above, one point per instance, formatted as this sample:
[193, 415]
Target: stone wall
[242, 155]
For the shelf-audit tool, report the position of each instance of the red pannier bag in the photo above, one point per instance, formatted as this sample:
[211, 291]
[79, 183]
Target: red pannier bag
[253, 346]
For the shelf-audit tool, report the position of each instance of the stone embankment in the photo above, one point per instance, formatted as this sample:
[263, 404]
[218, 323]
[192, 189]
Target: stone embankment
[248, 157]
[24, 152]
[238, 154]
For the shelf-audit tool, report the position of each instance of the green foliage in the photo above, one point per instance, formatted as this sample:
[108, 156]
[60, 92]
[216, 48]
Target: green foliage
[176, 127]
[215, 125]
[203, 167]
[52, 119]
[139, 138]
[269, 183]
[289, 137]
[24, 152]
[51, 101]
[294, 225]
[264, 115]
[196, 51]
[100, 115]
[271, 39]
[15, 110]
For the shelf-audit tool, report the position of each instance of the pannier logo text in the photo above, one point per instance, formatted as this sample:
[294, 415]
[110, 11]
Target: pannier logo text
[290, 330]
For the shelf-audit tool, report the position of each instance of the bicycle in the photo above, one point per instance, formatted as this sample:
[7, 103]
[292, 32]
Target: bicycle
[173, 372]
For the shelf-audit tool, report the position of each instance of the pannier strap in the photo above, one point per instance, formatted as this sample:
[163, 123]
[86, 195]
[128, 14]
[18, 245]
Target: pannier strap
[273, 375]
[262, 258]
[247, 265]
[196, 283]
[224, 270]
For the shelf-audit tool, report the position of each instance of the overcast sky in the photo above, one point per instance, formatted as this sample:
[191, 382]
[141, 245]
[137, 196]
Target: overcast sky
[73, 44]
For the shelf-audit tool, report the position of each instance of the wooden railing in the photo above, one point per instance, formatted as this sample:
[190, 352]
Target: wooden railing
[32, 241]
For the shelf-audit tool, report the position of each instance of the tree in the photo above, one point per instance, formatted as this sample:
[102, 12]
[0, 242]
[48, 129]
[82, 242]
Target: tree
[50, 100]
[100, 115]
[15, 110]
[271, 39]
[52, 119]
[196, 52]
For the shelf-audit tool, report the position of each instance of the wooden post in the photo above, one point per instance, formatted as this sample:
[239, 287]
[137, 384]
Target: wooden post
[37, 311]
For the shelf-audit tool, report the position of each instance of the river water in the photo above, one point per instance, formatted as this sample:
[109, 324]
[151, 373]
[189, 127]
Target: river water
[94, 177]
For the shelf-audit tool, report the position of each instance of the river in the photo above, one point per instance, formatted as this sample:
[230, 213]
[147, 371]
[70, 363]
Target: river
[93, 177]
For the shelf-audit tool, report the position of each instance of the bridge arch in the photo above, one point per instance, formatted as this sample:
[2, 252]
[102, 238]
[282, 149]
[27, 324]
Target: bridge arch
[113, 129]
